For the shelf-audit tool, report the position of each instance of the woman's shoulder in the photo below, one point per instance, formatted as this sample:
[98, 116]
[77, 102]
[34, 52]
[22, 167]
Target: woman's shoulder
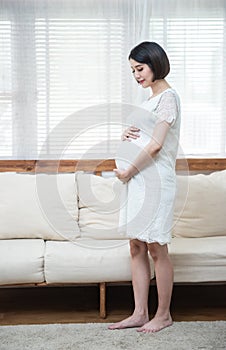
[166, 98]
[170, 92]
[169, 96]
[168, 106]
[167, 93]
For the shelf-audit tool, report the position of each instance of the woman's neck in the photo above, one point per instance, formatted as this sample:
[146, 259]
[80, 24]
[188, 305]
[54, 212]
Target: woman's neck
[159, 86]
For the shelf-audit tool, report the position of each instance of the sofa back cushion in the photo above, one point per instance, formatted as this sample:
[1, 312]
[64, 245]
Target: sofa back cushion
[99, 204]
[204, 210]
[38, 206]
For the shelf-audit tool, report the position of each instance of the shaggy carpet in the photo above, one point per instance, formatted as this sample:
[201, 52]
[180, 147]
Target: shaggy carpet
[96, 336]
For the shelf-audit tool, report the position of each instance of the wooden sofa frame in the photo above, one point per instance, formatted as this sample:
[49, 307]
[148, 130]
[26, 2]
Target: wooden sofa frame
[97, 166]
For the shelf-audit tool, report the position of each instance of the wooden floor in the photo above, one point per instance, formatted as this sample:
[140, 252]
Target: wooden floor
[80, 304]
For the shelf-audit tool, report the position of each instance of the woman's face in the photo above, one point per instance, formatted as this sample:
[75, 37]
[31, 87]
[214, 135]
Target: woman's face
[142, 73]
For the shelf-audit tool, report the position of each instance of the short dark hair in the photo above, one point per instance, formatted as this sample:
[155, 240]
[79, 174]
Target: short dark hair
[154, 56]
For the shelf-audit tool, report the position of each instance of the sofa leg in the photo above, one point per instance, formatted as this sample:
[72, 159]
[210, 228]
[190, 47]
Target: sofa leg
[103, 312]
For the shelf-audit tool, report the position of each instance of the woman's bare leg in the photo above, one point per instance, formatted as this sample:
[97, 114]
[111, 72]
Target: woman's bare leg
[164, 281]
[140, 266]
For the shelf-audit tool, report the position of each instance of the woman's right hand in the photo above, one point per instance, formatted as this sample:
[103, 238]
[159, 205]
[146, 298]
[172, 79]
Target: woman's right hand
[130, 133]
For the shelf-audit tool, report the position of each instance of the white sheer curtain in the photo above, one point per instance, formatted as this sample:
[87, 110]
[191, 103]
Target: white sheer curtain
[61, 58]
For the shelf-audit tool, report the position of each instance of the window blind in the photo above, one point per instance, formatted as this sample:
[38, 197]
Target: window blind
[77, 65]
[196, 48]
[65, 79]
[5, 90]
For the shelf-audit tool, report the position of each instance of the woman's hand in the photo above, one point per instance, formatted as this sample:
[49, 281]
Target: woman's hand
[122, 175]
[130, 133]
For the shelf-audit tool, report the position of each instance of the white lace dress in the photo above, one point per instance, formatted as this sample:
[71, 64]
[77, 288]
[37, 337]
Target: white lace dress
[147, 201]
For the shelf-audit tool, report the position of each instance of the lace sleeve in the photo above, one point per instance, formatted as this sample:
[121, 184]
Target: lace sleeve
[167, 108]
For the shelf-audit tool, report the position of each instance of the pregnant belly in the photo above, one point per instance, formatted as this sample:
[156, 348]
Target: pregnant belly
[129, 150]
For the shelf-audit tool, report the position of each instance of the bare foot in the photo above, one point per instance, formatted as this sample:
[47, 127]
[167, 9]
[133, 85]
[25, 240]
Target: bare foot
[156, 324]
[130, 322]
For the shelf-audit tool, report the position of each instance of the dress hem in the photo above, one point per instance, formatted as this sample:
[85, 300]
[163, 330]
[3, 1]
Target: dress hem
[146, 240]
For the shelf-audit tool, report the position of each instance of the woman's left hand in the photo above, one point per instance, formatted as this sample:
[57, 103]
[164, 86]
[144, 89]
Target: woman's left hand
[122, 175]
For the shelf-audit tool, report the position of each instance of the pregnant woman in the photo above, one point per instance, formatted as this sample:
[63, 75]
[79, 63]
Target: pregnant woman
[146, 165]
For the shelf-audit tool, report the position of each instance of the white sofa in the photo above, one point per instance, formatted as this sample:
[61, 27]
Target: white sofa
[62, 229]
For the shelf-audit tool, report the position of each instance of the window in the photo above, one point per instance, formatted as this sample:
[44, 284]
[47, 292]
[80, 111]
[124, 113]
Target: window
[5, 90]
[65, 83]
[197, 53]
[78, 65]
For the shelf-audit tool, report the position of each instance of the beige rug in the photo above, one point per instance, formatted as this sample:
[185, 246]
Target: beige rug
[96, 336]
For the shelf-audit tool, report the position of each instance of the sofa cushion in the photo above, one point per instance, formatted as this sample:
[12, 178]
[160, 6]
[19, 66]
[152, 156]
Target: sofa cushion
[88, 261]
[199, 259]
[203, 213]
[99, 203]
[21, 261]
[38, 206]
